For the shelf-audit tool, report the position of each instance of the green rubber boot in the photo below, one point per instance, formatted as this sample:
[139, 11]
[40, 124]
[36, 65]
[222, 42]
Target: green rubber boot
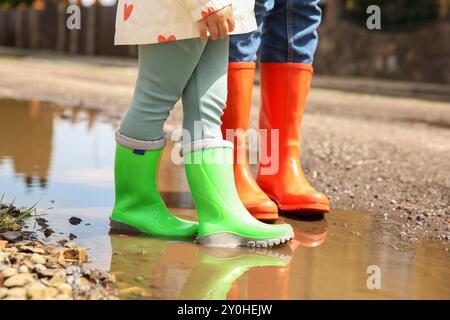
[216, 270]
[223, 220]
[139, 207]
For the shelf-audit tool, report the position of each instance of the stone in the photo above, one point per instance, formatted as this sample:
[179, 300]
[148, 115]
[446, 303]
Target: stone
[65, 289]
[3, 257]
[73, 270]
[45, 272]
[38, 291]
[17, 293]
[14, 227]
[52, 260]
[37, 258]
[30, 249]
[63, 242]
[48, 232]
[75, 220]
[84, 284]
[21, 256]
[29, 264]
[23, 269]
[72, 236]
[75, 255]
[40, 268]
[3, 244]
[18, 280]
[3, 292]
[71, 245]
[94, 295]
[56, 280]
[70, 280]
[41, 222]
[9, 272]
[86, 271]
[12, 236]
[13, 250]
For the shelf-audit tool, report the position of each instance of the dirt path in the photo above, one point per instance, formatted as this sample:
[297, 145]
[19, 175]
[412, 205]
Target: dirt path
[390, 156]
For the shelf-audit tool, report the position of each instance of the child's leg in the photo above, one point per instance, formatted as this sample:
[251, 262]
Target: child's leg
[204, 97]
[164, 71]
[223, 220]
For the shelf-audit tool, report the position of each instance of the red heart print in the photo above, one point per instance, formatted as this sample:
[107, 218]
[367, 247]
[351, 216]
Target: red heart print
[127, 10]
[161, 38]
[208, 12]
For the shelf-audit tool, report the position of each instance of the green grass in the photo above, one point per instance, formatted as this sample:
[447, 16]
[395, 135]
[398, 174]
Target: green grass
[10, 216]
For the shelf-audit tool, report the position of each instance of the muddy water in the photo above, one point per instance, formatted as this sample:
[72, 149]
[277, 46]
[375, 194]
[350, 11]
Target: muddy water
[63, 159]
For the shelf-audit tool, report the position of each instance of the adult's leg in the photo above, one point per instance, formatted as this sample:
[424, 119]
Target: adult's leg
[244, 47]
[241, 74]
[289, 42]
[289, 34]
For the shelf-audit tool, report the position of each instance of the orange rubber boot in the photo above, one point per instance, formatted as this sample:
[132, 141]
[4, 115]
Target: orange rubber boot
[237, 116]
[284, 87]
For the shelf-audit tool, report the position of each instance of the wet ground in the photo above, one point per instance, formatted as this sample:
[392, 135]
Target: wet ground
[375, 145]
[63, 159]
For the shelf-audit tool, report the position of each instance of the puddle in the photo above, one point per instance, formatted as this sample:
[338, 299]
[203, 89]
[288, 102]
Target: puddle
[63, 158]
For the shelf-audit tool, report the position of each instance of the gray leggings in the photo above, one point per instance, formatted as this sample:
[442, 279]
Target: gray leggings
[193, 70]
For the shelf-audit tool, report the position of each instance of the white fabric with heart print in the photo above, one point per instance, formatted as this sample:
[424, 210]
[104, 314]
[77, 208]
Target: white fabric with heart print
[156, 21]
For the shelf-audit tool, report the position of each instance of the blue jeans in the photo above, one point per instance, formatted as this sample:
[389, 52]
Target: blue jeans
[287, 32]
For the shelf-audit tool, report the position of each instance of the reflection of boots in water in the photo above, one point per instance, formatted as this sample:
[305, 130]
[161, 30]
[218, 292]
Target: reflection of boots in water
[217, 269]
[308, 234]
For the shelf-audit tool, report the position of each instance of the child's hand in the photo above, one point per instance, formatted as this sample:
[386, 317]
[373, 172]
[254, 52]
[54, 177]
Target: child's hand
[219, 24]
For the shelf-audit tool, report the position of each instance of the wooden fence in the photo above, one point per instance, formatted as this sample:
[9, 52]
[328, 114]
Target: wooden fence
[28, 27]
[417, 55]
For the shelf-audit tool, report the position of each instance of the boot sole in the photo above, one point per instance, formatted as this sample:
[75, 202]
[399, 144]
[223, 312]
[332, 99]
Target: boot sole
[262, 214]
[116, 227]
[231, 240]
[265, 217]
[318, 208]
[309, 207]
